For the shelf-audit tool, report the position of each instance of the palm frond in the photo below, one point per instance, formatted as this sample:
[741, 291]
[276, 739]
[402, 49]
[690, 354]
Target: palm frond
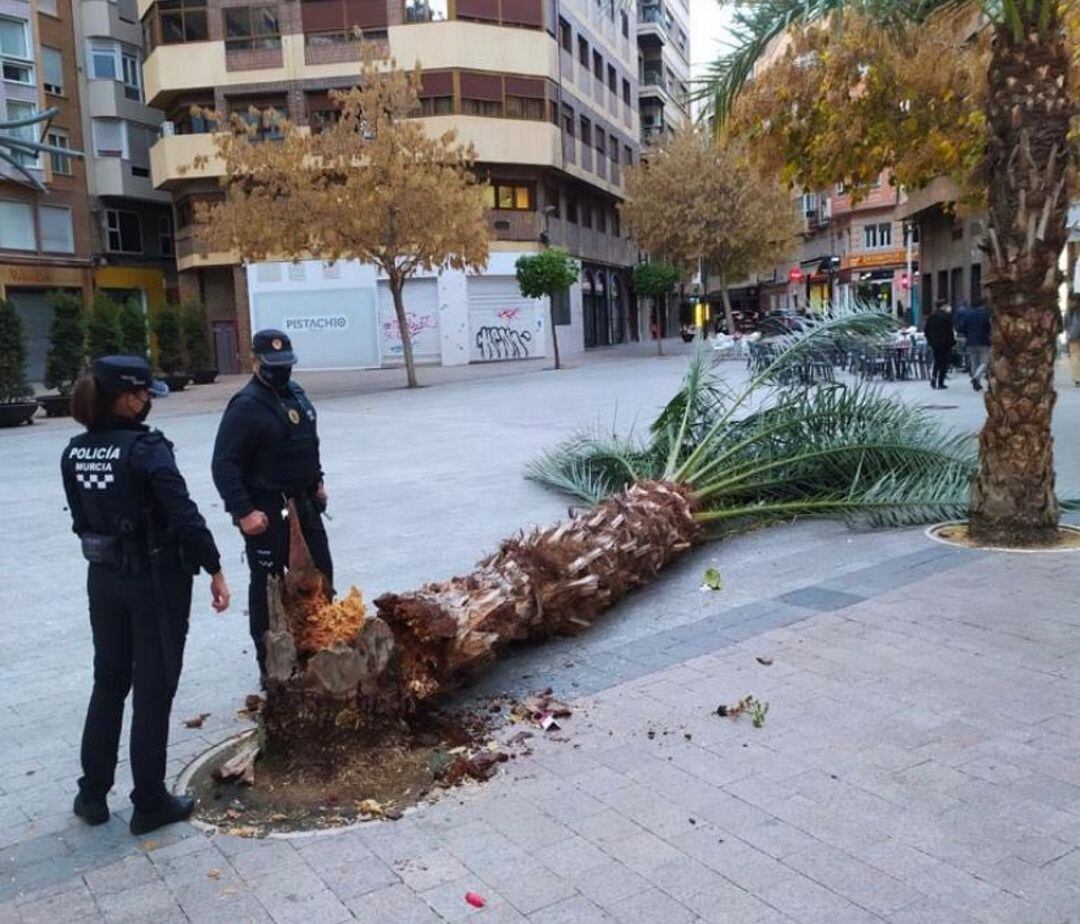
[593, 466]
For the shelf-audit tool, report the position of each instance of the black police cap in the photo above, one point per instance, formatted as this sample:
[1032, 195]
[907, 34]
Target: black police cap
[273, 347]
[118, 374]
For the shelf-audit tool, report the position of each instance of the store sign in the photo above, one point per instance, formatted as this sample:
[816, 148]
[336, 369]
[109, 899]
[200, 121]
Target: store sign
[875, 258]
[318, 324]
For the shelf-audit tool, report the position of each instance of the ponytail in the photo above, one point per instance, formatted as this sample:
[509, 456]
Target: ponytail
[89, 402]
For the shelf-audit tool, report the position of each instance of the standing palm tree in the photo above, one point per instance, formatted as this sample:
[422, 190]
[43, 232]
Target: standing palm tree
[1027, 166]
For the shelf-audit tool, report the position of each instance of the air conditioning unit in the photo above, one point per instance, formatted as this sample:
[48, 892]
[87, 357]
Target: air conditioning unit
[167, 129]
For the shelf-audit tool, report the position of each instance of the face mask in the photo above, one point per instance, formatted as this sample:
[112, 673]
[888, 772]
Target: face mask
[144, 411]
[275, 376]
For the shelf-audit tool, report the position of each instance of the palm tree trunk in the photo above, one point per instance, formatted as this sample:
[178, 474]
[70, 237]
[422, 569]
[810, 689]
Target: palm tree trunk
[1027, 165]
[397, 286]
[549, 582]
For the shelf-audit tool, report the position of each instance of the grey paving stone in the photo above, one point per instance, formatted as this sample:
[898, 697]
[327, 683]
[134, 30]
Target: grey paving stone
[448, 900]
[609, 884]
[821, 598]
[530, 888]
[134, 870]
[576, 910]
[807, 901]
[141, 904]
[264, 858]
[571, 856]
[649, 907]
[396, 903]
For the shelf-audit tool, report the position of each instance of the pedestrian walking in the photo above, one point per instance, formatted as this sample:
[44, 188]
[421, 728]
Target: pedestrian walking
[941, 338]
[976, 331]
[144, 539]
[1072, 337]
[267, 454]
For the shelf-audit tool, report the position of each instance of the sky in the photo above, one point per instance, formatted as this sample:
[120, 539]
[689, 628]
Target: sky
[708, 28]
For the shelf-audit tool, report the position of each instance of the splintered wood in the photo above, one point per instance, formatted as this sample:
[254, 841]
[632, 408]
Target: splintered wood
[331, 622]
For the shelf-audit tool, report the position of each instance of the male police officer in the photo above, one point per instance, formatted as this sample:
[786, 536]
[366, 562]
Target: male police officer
[267, 453]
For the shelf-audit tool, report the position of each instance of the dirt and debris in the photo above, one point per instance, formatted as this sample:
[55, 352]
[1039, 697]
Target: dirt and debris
[765, 660]
[196, 721]
[253, 704]
[750, 705]
[540, 708]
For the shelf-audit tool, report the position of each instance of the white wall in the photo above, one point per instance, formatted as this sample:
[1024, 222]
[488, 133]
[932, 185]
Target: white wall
[341, 315]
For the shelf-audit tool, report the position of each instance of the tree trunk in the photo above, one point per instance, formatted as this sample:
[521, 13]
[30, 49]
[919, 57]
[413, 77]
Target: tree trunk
[397, 286]
[554, 331]
[729, 318]
[333, 677]
[659, 324]
[1027, 165]
[548, 582]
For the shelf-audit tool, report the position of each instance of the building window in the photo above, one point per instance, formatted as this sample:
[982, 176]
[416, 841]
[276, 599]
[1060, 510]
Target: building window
[122, 231]
[437, 105]
[601, 145]
[583, 51]
[626, 92]
[110, 138]
[17, 110]
[180, 21]
[571, 209]
[568, 120]
[566, 36]
[165, 235]
[551, 201]
[57, 235]
[16, 55]
[625, 23]
[598, 65]
[601, 220]
[616, 229]
[248, 28]
[52, 71]
[61, 164]
[586, 214]
[586, 132]
[17, 226]
[526, 107]
[612, 80]
[114, 61]
[628, 156]
[877, 235]
[481, 107]
[510, 197]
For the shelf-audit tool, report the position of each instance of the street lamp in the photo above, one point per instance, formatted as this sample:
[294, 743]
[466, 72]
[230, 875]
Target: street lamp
[548, 211]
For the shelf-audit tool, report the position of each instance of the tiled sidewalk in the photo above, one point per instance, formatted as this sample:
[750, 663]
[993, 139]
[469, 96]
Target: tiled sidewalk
[918, 764]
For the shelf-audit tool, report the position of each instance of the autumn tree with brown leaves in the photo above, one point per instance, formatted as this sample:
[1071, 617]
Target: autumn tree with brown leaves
[372, 186]
[694, 200]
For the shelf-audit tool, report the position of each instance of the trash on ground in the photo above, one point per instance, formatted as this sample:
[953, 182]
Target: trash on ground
[711, 580]
[196, 721]
[540, 709]
[764, 659]
[748, 704]
[475, 899]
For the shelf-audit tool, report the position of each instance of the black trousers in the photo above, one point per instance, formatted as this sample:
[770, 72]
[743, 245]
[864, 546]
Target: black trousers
[268, 554]
[942, 356]
[128, 623]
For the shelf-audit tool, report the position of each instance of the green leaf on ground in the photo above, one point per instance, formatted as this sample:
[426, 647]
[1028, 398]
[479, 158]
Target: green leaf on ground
[712, 580]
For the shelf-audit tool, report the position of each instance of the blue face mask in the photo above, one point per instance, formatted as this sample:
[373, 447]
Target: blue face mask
[276, 377]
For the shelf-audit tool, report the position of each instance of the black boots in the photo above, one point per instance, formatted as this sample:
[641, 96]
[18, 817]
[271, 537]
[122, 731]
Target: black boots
[92, 811]
[171, 810]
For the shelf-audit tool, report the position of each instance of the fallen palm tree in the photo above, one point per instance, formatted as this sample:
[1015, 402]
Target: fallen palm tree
[714, 460]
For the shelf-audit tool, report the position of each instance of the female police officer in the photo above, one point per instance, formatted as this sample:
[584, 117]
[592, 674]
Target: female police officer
[144, 539]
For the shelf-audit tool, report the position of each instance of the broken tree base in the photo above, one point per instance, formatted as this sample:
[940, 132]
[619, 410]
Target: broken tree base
[379, 780]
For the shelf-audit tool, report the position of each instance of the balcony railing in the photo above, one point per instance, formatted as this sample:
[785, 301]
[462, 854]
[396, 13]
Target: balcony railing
[654, 79]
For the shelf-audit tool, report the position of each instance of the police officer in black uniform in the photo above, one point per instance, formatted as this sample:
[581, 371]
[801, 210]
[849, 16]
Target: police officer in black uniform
[267, 453]
[144, 539]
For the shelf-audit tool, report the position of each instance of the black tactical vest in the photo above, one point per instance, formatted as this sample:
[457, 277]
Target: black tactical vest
[291, 465]
[114, 497]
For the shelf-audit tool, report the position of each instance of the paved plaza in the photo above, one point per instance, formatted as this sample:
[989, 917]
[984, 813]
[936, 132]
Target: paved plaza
[919, 763]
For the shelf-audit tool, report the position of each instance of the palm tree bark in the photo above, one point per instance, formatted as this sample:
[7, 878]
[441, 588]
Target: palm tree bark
[549, 582]
[1027, 165]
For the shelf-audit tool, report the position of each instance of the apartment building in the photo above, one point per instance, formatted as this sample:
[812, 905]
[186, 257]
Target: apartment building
[545, 90]
[131, 221]
[45, 240]
[663, 39]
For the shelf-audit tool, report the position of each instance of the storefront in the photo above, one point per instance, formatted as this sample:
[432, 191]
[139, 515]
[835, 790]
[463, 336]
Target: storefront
[30, 287]
[143, 285]
[876, 277]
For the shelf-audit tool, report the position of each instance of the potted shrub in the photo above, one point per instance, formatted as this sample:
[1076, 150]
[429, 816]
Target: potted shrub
[197, 343]
[170, 355]
[67, 352]
[15, 408]
[133, 339]
[104, 336]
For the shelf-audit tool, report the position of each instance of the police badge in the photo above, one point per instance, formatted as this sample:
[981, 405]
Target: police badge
[294, 415]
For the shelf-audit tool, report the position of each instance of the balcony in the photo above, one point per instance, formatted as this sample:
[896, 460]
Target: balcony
[513, 225]
[172, 160]
[110, 99]
[114, 176]
[102, 18]
[652, 31]
[652, 82]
